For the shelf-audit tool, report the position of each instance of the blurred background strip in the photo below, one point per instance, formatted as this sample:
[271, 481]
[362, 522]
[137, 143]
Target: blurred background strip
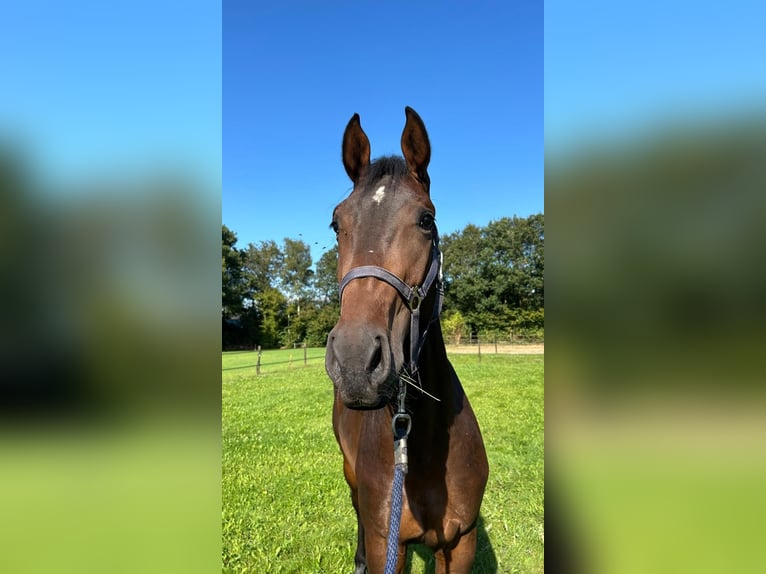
[110, 176]
[655, 200]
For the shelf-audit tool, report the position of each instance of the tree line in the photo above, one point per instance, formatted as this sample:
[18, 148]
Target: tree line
[273, 295]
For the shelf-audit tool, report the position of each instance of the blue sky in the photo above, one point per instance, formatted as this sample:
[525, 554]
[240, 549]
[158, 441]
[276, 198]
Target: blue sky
[90, 87]
[625, 69]
[294, 73]
[93, 88]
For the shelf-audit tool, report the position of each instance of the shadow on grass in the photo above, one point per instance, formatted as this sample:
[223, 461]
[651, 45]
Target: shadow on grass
[485, 562]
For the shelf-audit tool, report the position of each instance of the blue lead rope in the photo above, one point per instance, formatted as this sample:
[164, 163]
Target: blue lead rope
[401, 424]
[392, 550]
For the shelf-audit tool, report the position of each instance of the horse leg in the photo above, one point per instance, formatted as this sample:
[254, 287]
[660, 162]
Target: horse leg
[457, 560]
[376, 556]
[360, 561]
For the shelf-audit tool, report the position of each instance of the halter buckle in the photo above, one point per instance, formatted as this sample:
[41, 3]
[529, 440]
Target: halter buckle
[414, 301]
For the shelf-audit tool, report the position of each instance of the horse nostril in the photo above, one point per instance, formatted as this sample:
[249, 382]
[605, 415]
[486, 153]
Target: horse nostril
[332, 365]
[376, 357]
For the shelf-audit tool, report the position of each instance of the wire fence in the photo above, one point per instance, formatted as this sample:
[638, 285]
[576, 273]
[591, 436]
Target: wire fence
[510, 337]
[263, 362]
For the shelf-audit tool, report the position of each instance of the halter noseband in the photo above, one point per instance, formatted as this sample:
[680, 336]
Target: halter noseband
[413, 296]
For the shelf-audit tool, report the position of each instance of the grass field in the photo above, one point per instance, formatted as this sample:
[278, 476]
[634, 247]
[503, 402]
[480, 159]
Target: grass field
[286, 506]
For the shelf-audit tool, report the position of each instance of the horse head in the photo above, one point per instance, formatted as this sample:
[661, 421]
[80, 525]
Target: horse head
[387, 223]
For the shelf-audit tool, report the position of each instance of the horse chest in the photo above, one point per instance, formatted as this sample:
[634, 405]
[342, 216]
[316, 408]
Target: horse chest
[436, 509]
[435, 512]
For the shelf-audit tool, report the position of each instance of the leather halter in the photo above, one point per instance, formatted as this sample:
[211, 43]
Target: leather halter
[413, 295]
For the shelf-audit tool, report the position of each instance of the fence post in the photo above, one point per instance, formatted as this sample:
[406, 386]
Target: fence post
[305, 357]
[258, 364]
[496, 344]
[478, 344]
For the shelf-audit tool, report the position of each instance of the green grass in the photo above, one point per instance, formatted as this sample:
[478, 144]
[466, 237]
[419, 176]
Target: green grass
[286, 506]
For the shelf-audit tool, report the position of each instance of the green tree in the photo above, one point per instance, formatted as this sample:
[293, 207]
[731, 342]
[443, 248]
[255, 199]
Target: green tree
[232, 283]
[296, 273]
[326, 277]
[321, 324]
[311, 325]
[518, 259]
[262, 265]
[454, 326]
[514, 248]
[327, 311]
[464, 273]
[493, 282]
[492, 271]
[272, 307]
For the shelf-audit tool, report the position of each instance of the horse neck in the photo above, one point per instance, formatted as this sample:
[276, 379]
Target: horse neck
[436, 376]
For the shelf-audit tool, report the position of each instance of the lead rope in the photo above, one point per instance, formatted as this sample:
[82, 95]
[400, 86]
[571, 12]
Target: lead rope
[401, 424]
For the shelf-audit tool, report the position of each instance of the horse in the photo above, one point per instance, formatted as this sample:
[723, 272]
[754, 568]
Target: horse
[387, 348]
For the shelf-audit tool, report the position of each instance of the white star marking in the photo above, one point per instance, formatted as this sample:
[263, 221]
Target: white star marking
[380, 193]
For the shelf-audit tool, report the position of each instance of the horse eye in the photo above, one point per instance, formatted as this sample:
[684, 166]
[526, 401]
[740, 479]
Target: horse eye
[426, 221]
[334, 227]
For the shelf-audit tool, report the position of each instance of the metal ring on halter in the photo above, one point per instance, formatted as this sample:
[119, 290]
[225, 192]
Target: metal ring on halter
[415, 300]
[404, 418]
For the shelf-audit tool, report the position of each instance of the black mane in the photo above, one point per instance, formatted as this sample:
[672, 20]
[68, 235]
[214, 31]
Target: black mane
[390, 165]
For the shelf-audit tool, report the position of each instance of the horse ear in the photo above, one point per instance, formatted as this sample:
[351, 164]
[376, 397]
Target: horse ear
[416, 147]
[356, 149]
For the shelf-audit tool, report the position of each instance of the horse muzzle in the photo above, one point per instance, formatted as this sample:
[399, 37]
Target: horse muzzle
[361, 365]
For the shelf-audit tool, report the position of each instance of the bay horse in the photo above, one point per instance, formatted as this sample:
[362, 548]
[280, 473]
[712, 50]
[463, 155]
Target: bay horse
[389, 268]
